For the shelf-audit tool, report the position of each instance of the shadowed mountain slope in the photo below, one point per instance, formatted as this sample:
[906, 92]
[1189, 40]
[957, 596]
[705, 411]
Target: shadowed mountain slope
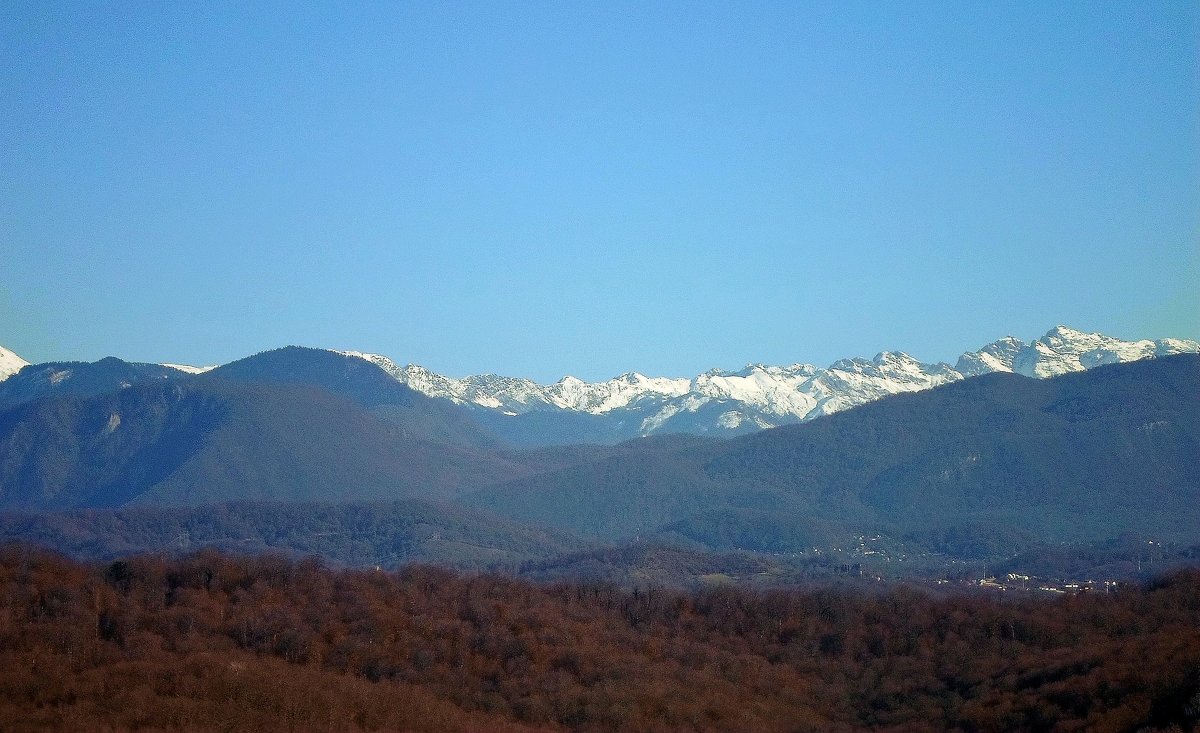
[1086, 455]
[196, 441]
[365, 384]
[79, 379]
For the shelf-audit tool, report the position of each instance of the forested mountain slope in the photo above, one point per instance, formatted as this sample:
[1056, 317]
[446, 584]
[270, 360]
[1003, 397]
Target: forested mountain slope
[1090, 454]
[364, 383]
[79, 379]
[196, 441]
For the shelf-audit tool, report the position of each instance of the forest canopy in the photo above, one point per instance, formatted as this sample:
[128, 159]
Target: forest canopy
[212, 641]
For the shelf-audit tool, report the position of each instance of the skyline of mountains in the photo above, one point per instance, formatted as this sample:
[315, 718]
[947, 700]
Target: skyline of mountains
[768, 396]
[718, 402]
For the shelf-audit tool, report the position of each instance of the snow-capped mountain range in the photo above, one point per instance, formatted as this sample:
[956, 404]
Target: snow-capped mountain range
[762, 396]
[728, 402]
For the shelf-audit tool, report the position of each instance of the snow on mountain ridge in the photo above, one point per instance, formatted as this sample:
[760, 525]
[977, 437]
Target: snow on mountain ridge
[756, 396]
[10, 363]
[188, 369]
[997, 356]
[517, 395]
[616, 393]
[766, 396]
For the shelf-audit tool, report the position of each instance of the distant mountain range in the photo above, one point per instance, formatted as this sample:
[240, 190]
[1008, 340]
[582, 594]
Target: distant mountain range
[759, 396]
[977, 469]
[1084, 455]
[520, 412]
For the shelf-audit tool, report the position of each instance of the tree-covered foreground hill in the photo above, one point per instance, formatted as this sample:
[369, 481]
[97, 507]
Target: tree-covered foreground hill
[213, 642]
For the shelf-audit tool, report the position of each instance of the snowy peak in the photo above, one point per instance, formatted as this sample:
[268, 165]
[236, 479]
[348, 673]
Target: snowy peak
[1063, 350]
[10, 363]
[574, 394]
[995, 357]
[772, 390]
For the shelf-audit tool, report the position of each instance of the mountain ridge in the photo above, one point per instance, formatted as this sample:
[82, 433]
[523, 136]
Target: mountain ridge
[717, 402]
[199, 441]
[759, 396]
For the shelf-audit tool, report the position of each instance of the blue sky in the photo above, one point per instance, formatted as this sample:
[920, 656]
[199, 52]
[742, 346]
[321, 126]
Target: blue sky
[592, 188]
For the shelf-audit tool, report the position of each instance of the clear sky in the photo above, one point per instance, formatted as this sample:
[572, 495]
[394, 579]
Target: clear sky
[538, 189]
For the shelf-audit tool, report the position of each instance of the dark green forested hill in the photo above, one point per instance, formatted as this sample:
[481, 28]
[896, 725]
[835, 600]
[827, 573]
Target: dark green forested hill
[1087, 455]
[80, 379]
[210, 440]
[365, 384]
[358, 380]
[1114, 449]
